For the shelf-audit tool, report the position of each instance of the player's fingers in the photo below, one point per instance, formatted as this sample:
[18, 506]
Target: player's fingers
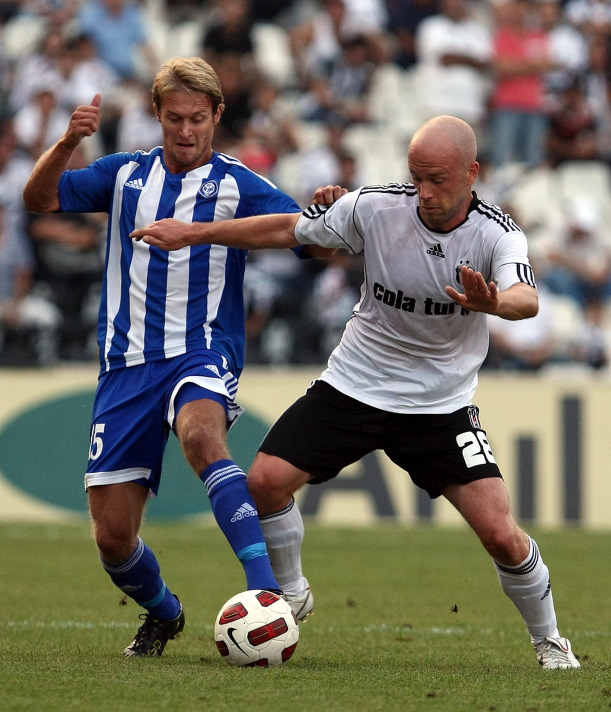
[337, 191]
[97, 100]
[328, 194]
[141, 233]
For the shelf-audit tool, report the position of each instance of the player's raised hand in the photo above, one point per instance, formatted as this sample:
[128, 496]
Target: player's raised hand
[85, 121]
[479, 295]
[328, 194]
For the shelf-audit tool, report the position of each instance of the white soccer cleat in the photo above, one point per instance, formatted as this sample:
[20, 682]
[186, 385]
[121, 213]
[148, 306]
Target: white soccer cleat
[556, 654]
[302, 605]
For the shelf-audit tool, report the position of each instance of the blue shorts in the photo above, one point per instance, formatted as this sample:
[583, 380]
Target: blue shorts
[135, 408]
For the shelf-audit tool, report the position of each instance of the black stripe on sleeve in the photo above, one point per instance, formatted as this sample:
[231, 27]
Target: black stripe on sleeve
[526, 274]
[315, 211]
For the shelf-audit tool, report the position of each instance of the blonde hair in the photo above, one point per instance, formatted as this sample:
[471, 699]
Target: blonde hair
[192, 74]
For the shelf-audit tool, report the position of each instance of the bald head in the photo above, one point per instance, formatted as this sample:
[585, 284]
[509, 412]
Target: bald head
[447, 136]
[442, 162]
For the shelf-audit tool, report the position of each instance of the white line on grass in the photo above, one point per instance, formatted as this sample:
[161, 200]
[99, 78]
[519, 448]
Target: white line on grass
[208, 627]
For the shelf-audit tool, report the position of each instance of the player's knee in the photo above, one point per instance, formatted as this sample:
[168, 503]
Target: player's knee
[268, 484]
[115, 546]
[506, 545]
[202, 447]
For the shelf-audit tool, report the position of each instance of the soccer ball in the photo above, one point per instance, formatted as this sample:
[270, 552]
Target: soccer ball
[256, 629]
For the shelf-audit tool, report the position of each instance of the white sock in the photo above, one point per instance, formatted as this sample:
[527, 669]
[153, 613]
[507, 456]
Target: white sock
[284, 532]
[528, 586]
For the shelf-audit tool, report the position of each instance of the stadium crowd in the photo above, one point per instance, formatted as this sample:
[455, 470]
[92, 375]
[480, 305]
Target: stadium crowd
[319, 92]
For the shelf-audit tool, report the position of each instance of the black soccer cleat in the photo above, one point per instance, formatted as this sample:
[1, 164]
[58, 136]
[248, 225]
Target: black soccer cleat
[153, 635]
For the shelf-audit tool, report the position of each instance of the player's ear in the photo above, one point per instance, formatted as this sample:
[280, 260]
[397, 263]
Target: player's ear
[156, 110]
[219, 113]
[473, 172]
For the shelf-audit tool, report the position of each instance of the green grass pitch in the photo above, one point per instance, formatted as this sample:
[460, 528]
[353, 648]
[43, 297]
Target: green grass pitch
[406, 619]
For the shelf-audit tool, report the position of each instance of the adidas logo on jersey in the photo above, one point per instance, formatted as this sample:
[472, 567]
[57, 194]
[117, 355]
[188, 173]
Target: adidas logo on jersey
[136, 183]
[246, 510]
[436, 251]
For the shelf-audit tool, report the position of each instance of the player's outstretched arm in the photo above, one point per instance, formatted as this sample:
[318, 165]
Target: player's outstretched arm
[257, 232]
[520, 301]
[40, 194]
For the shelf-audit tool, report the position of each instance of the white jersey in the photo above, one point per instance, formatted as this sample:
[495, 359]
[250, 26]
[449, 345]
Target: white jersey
[408, 346]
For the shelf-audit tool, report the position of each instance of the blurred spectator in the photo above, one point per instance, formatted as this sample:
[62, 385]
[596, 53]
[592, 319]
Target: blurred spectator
[34, 70]
[454, 49]
[120, 33]
[343, 94]
[276, 287]
[599, 94]
[28, 321]
[229, 32]
[8, 10]
[590, 343]
[69, 263]
[404, 18]
[526, 345]
[597, 78]
[368, 18]
[57, 13]
[577, 254]
[15, 169]
[275, 11]
[85, 74]
[569, 47]
[138, 127]
[6, 77]
[572, 132]
[349, 176]
[322, 164]
[334, 294]
[317, 43]
[237, 90]
[589, 16]
[522, 56]
[41, 121]
[271, 132]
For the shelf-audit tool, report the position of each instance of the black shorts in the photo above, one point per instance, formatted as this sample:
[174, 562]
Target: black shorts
[325, 431]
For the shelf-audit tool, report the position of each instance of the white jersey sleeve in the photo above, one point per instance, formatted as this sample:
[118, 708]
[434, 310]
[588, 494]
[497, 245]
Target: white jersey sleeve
[511, 263]
[332, 226]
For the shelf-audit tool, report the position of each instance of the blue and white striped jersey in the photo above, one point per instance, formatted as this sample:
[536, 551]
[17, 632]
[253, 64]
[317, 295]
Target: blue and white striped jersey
[155, 304]
[409, 347]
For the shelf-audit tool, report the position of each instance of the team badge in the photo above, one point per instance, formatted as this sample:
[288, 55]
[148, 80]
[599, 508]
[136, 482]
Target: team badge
[209, 189]
[462, 263]
[473, 413]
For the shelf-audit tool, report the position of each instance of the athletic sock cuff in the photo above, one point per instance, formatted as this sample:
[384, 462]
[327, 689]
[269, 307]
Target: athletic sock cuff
[278, 515]
[220, 473]
[528, 569]
[128, 563]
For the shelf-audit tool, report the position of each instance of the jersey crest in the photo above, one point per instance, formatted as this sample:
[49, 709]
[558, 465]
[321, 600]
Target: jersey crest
[209, 189]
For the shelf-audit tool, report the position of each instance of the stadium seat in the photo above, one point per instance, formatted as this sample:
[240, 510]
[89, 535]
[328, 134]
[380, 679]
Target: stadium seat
[591, 178]
[183, 39]
[536, 195]
[20, 35]
[567, 317]
[272, 53]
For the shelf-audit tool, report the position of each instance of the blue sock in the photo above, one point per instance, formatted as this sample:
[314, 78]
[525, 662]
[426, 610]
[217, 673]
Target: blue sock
[139, 577]
[236, 515]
